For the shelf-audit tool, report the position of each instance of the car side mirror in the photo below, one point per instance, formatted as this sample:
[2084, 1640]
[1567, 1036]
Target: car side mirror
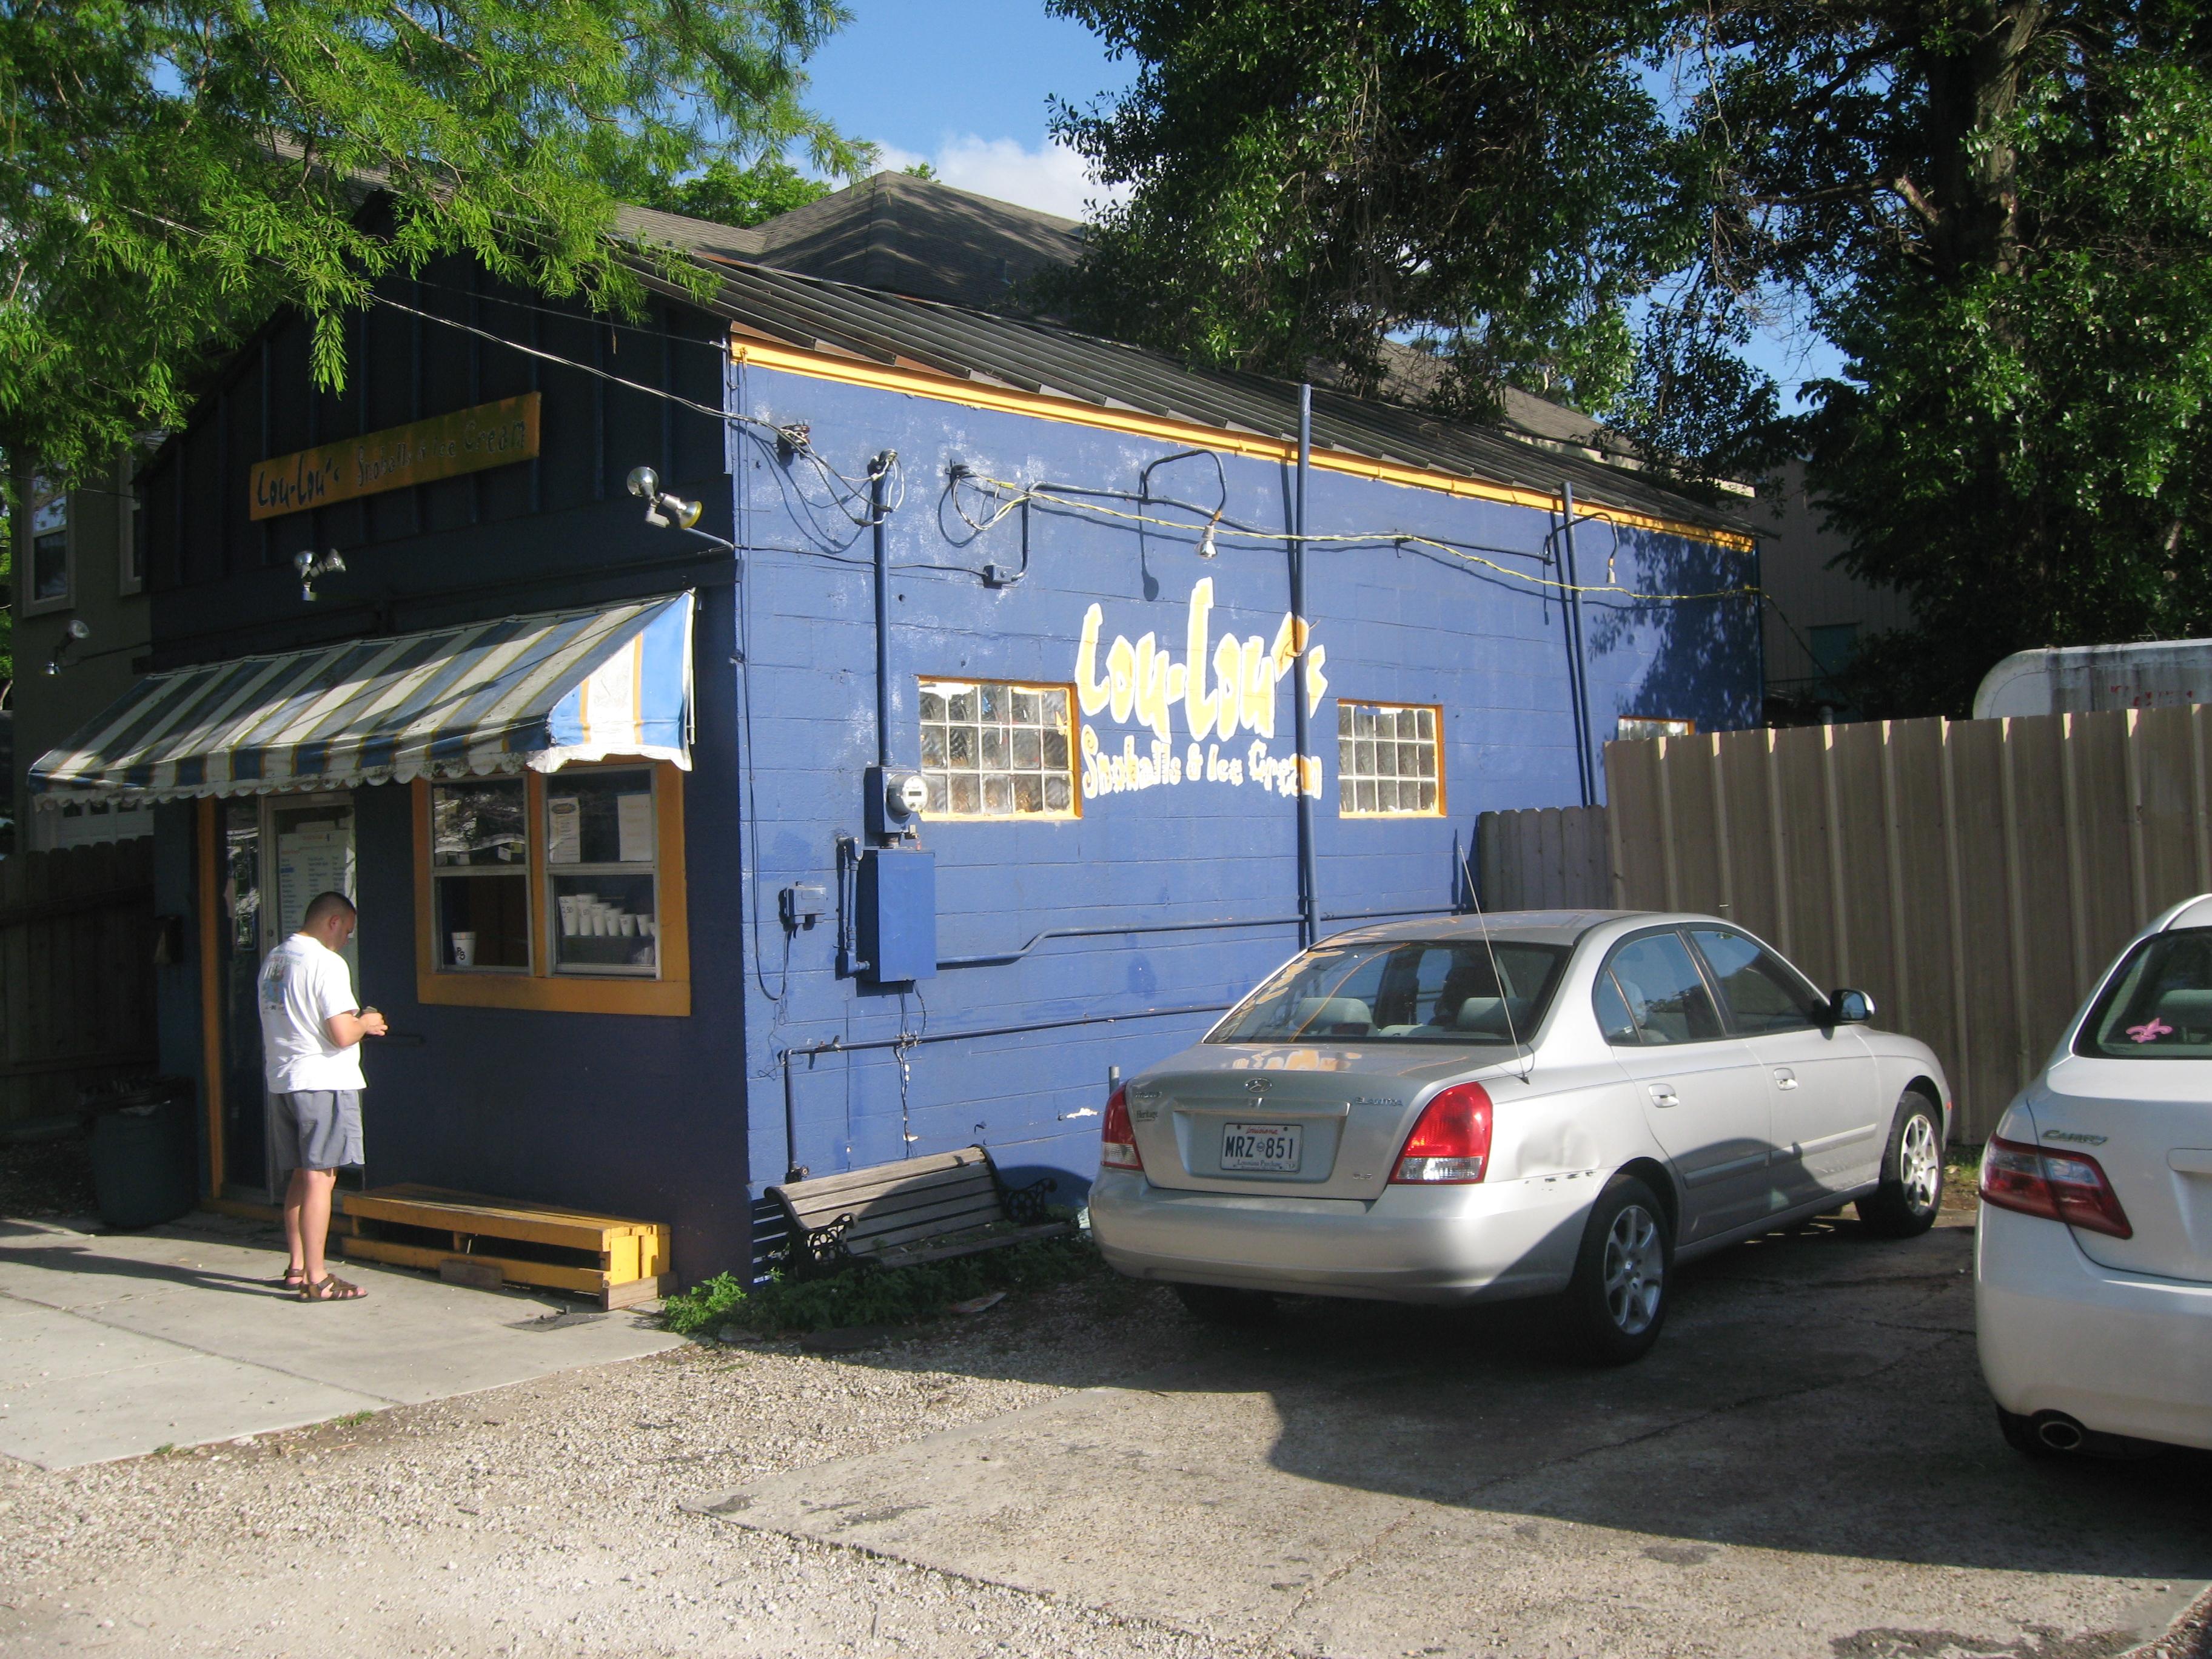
[1848, 1007]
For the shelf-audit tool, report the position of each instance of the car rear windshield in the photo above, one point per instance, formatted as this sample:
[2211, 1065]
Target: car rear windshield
[2159, 1005]
[1402, 991]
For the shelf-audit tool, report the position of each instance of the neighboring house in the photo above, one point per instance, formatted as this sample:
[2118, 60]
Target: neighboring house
[631, 895]
[1818, 612]
[79, 559]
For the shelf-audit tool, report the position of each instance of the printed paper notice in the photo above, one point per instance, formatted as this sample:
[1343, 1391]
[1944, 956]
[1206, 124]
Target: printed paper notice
[634, 828]
[564, 835]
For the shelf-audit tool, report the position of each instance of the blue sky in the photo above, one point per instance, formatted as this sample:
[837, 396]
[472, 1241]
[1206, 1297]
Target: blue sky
[964, 85]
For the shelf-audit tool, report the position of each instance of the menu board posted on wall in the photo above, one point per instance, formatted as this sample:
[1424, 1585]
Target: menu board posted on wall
[564, 830]
[634, 828]
[314, 858]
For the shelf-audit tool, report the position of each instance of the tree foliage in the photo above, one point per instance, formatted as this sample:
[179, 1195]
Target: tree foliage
[179, 169]
[728, 194]
[2000, 211]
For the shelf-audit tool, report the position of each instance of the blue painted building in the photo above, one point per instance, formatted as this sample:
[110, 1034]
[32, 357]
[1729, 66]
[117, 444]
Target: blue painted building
[634, 963]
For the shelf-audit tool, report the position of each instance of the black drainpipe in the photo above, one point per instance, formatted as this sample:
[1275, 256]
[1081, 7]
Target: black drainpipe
[878, 479]
[1308, 892]
[1578, 670]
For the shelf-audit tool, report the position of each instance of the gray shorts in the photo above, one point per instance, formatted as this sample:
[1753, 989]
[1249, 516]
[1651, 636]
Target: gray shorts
[316, 1129]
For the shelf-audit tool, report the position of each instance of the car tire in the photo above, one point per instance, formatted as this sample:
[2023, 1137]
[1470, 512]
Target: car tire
[1218, 1305]
[2020, 1434]
[1911, 1191]
[1616, 1301]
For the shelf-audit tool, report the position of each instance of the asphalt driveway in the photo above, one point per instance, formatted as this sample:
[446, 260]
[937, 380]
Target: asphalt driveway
[1807, 1465]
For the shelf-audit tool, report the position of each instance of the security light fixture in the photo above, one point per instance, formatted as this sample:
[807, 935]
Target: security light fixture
[661, 508]
[312, 566]
[77, 631]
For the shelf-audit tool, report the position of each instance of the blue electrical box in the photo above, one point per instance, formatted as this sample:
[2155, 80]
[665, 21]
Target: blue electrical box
[898, 900]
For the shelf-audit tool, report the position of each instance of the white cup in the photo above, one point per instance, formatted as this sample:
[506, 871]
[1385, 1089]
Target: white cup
[628, 924]
[568, 922]
[464, 949]
[599, 922]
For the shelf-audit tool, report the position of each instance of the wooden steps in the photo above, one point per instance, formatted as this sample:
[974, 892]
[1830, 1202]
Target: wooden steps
[617, 1261]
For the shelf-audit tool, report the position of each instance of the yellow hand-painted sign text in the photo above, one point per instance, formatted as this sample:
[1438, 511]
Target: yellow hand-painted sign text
[443, 446]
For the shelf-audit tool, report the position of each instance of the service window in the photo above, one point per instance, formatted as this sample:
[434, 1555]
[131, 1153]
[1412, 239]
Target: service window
[1388, 761]
[479, 875]
[562, 891]
[997, 749]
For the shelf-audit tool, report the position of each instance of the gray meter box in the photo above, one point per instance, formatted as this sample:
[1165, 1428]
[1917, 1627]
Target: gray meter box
[897, 901]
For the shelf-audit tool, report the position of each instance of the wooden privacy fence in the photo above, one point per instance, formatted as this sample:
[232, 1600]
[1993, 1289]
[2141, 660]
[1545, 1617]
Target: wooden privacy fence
[77, 973]
[1975, 876]
[1546, 859]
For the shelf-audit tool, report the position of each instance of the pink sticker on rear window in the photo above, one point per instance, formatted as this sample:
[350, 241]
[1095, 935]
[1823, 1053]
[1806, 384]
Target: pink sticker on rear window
[2150, 1031]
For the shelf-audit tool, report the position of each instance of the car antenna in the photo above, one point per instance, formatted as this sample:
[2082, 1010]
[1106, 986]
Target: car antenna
[1505, 991]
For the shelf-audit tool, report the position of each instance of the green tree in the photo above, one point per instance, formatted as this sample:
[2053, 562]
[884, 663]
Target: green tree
[180, 168]
[728, 194]
[2001, 210]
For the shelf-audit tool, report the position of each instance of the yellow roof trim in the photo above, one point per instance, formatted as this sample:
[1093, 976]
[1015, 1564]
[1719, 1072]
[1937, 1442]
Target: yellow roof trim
[1010, 400]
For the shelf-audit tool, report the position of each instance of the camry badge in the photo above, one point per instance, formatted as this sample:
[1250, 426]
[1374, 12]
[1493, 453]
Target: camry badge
[2070, 1134]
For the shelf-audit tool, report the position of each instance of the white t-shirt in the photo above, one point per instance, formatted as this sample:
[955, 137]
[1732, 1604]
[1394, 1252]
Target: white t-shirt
[303, 983]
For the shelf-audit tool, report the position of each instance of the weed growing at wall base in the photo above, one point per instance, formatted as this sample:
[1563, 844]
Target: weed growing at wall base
[878, 1296]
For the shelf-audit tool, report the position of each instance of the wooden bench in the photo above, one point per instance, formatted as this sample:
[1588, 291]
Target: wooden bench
[617, 1261]
[899, 1215]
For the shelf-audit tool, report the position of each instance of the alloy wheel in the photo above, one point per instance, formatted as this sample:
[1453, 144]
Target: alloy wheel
[1635, 1270]
[1919, 1167]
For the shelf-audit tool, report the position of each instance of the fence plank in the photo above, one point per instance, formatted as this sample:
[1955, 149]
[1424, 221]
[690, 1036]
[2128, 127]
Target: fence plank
[77, 973]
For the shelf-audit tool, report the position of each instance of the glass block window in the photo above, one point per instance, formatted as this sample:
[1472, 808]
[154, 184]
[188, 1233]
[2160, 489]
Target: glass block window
[1389, 762]
[1632, 727]
[995, 749]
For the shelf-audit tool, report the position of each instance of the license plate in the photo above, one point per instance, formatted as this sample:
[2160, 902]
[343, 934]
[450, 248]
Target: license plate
[1272, 1148]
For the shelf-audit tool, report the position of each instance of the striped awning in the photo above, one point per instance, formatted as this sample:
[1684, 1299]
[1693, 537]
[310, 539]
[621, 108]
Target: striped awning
[536, 691]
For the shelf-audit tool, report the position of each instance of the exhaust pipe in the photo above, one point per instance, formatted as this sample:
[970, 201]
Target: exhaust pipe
[2059, 1431]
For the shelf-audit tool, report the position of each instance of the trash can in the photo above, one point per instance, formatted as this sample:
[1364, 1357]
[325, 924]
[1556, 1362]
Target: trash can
[145, 1153]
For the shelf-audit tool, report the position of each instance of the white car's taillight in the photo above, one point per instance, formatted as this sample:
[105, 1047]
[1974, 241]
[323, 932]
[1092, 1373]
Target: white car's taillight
[1117, 1136]
[2068, 1186]
[1450, 1144]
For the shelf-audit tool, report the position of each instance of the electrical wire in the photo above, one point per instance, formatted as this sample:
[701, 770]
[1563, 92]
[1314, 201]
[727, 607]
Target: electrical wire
[1045, 495]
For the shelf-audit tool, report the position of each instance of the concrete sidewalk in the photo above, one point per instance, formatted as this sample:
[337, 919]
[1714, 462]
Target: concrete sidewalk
[116, 1345]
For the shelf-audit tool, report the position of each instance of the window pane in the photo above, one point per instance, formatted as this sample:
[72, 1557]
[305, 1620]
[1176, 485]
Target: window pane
[933, 705]
[997, 792]
[478, 821]
[960, 746]
[484, 922]
[1012, 732]
[993, 758]
[1029, 794]
[932, 746]
[599, 818]
[1059, 794]
[1387, 758]
[1027, 752]
[1026, 704]
[605, 924]
[967, 794]
[1665, 995]
[1055, 751]
[49, 566]
[2159, 1006]
[1762, 994]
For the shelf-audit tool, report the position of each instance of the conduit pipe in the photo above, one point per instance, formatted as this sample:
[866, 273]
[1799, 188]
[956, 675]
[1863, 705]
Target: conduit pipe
[1309, 894]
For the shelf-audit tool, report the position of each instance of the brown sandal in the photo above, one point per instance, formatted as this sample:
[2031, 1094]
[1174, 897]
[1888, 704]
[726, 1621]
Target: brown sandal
[331, 1288]
[292, 1278]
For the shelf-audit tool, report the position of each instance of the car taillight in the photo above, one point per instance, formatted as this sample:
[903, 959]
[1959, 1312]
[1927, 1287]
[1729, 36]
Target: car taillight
[1117, 1138]
[1451, 1141]
[2068, 1186]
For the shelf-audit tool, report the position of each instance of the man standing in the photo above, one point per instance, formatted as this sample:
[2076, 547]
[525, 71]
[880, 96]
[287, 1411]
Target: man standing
[311, 1034]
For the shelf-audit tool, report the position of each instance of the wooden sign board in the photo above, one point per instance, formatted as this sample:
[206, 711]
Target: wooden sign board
[443, 446]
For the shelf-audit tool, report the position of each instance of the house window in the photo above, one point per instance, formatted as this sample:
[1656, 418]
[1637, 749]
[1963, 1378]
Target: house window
[1653, 726]
[480, 875]
[130, 536]
[997, 749]
[1834, 645]
[1388, 761]
[564, 892]
[49, 588]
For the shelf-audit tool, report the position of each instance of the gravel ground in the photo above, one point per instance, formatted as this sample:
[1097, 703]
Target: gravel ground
[544, 1518]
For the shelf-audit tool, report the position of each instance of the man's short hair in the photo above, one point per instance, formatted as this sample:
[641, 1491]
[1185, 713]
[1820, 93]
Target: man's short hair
[324, 906]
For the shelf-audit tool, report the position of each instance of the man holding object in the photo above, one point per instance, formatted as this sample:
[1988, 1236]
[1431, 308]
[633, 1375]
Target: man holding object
[311, 1034]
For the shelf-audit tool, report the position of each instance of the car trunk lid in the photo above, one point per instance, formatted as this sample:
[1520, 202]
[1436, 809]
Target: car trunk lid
[1316, 1123]
[2149, 1125]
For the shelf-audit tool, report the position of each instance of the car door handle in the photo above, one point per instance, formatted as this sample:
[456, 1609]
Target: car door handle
[1784, 1077]
[1662, 1094]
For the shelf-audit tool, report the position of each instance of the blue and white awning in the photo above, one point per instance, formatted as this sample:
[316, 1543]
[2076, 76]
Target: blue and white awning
[537, 691]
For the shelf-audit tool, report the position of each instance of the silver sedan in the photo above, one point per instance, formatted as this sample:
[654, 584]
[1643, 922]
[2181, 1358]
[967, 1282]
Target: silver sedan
[1542, 1103]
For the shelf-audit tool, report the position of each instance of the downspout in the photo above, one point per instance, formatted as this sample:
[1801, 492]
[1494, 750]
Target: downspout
[879, 471]
[1301, 636]
[1578, 671]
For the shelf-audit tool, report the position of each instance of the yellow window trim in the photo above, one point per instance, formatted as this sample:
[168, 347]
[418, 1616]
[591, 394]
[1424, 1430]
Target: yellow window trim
[1442, 810]
[976, 394]
[541, 989]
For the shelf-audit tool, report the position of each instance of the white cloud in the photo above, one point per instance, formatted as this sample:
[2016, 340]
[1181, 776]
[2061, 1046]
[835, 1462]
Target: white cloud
[1050, 177]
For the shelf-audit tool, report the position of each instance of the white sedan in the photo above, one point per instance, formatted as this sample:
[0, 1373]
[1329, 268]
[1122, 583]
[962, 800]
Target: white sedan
[1542, 1103]
[2092, 1263]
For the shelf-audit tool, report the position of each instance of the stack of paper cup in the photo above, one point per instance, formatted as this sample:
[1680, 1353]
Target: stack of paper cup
[464, 949]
